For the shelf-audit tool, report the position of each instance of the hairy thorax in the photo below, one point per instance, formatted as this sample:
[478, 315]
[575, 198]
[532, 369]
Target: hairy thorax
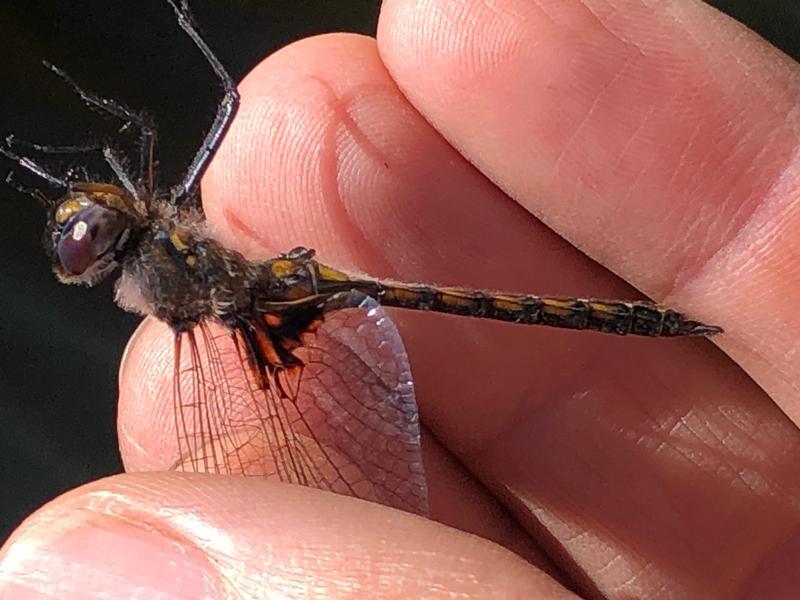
[179, 274]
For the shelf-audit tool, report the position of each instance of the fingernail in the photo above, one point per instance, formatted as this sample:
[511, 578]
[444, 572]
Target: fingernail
[88, 554]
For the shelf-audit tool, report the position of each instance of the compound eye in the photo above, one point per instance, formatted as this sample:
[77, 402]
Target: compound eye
[88, 235]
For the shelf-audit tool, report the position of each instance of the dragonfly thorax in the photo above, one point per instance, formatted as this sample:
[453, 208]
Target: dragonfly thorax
[180, 275]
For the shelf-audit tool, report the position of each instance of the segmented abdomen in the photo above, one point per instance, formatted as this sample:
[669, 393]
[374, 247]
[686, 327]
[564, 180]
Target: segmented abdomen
[611, 316]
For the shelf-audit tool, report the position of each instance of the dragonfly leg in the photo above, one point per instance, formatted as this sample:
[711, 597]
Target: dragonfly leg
[34, 167]
[300, 253]
[147, 132]
[111, 156]
[12, 141]
[226, 109]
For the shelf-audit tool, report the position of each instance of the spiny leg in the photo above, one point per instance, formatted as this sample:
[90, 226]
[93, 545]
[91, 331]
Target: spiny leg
[112, 158]
[34, 193]
[226, 109]
[147, 134]
[34, 167]
[116, 164]
[12, 140]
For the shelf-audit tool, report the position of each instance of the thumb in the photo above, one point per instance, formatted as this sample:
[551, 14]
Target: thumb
[176, 535]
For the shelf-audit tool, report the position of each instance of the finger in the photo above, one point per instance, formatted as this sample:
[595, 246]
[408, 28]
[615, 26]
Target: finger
[659, 137]
[160, 535]
[269, 189]
[611, 124]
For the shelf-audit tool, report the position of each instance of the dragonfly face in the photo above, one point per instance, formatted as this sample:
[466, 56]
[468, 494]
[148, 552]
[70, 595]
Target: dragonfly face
[88, 230]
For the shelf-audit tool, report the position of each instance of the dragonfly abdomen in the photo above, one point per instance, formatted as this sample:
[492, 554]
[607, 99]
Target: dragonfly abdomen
[610, 316]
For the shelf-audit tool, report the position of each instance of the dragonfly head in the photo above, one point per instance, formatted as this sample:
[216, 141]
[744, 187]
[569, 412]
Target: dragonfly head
[88, 230]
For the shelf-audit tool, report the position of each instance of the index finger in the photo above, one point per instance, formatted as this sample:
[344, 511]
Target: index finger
[659, 137]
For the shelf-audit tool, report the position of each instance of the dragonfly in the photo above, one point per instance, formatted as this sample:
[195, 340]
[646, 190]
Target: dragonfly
[286, 368]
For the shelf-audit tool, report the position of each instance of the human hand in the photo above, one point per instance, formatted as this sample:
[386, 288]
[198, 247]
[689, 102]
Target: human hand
[660, 139]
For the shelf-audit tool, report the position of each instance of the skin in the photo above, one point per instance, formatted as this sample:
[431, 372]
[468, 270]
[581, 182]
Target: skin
[501, 145]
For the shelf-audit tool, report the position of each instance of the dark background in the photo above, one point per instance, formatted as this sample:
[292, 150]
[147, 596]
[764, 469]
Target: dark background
[60, 346]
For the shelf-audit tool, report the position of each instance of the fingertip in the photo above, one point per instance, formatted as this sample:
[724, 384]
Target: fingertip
[145, 416]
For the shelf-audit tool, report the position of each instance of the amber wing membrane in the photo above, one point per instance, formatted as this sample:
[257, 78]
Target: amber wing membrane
[345, 420]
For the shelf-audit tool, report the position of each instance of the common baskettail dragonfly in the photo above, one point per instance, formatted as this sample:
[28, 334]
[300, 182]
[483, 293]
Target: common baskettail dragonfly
[285, 367]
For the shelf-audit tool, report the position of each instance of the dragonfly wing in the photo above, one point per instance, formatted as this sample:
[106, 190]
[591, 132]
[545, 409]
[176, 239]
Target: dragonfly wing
[343, 419]
[357, 393]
